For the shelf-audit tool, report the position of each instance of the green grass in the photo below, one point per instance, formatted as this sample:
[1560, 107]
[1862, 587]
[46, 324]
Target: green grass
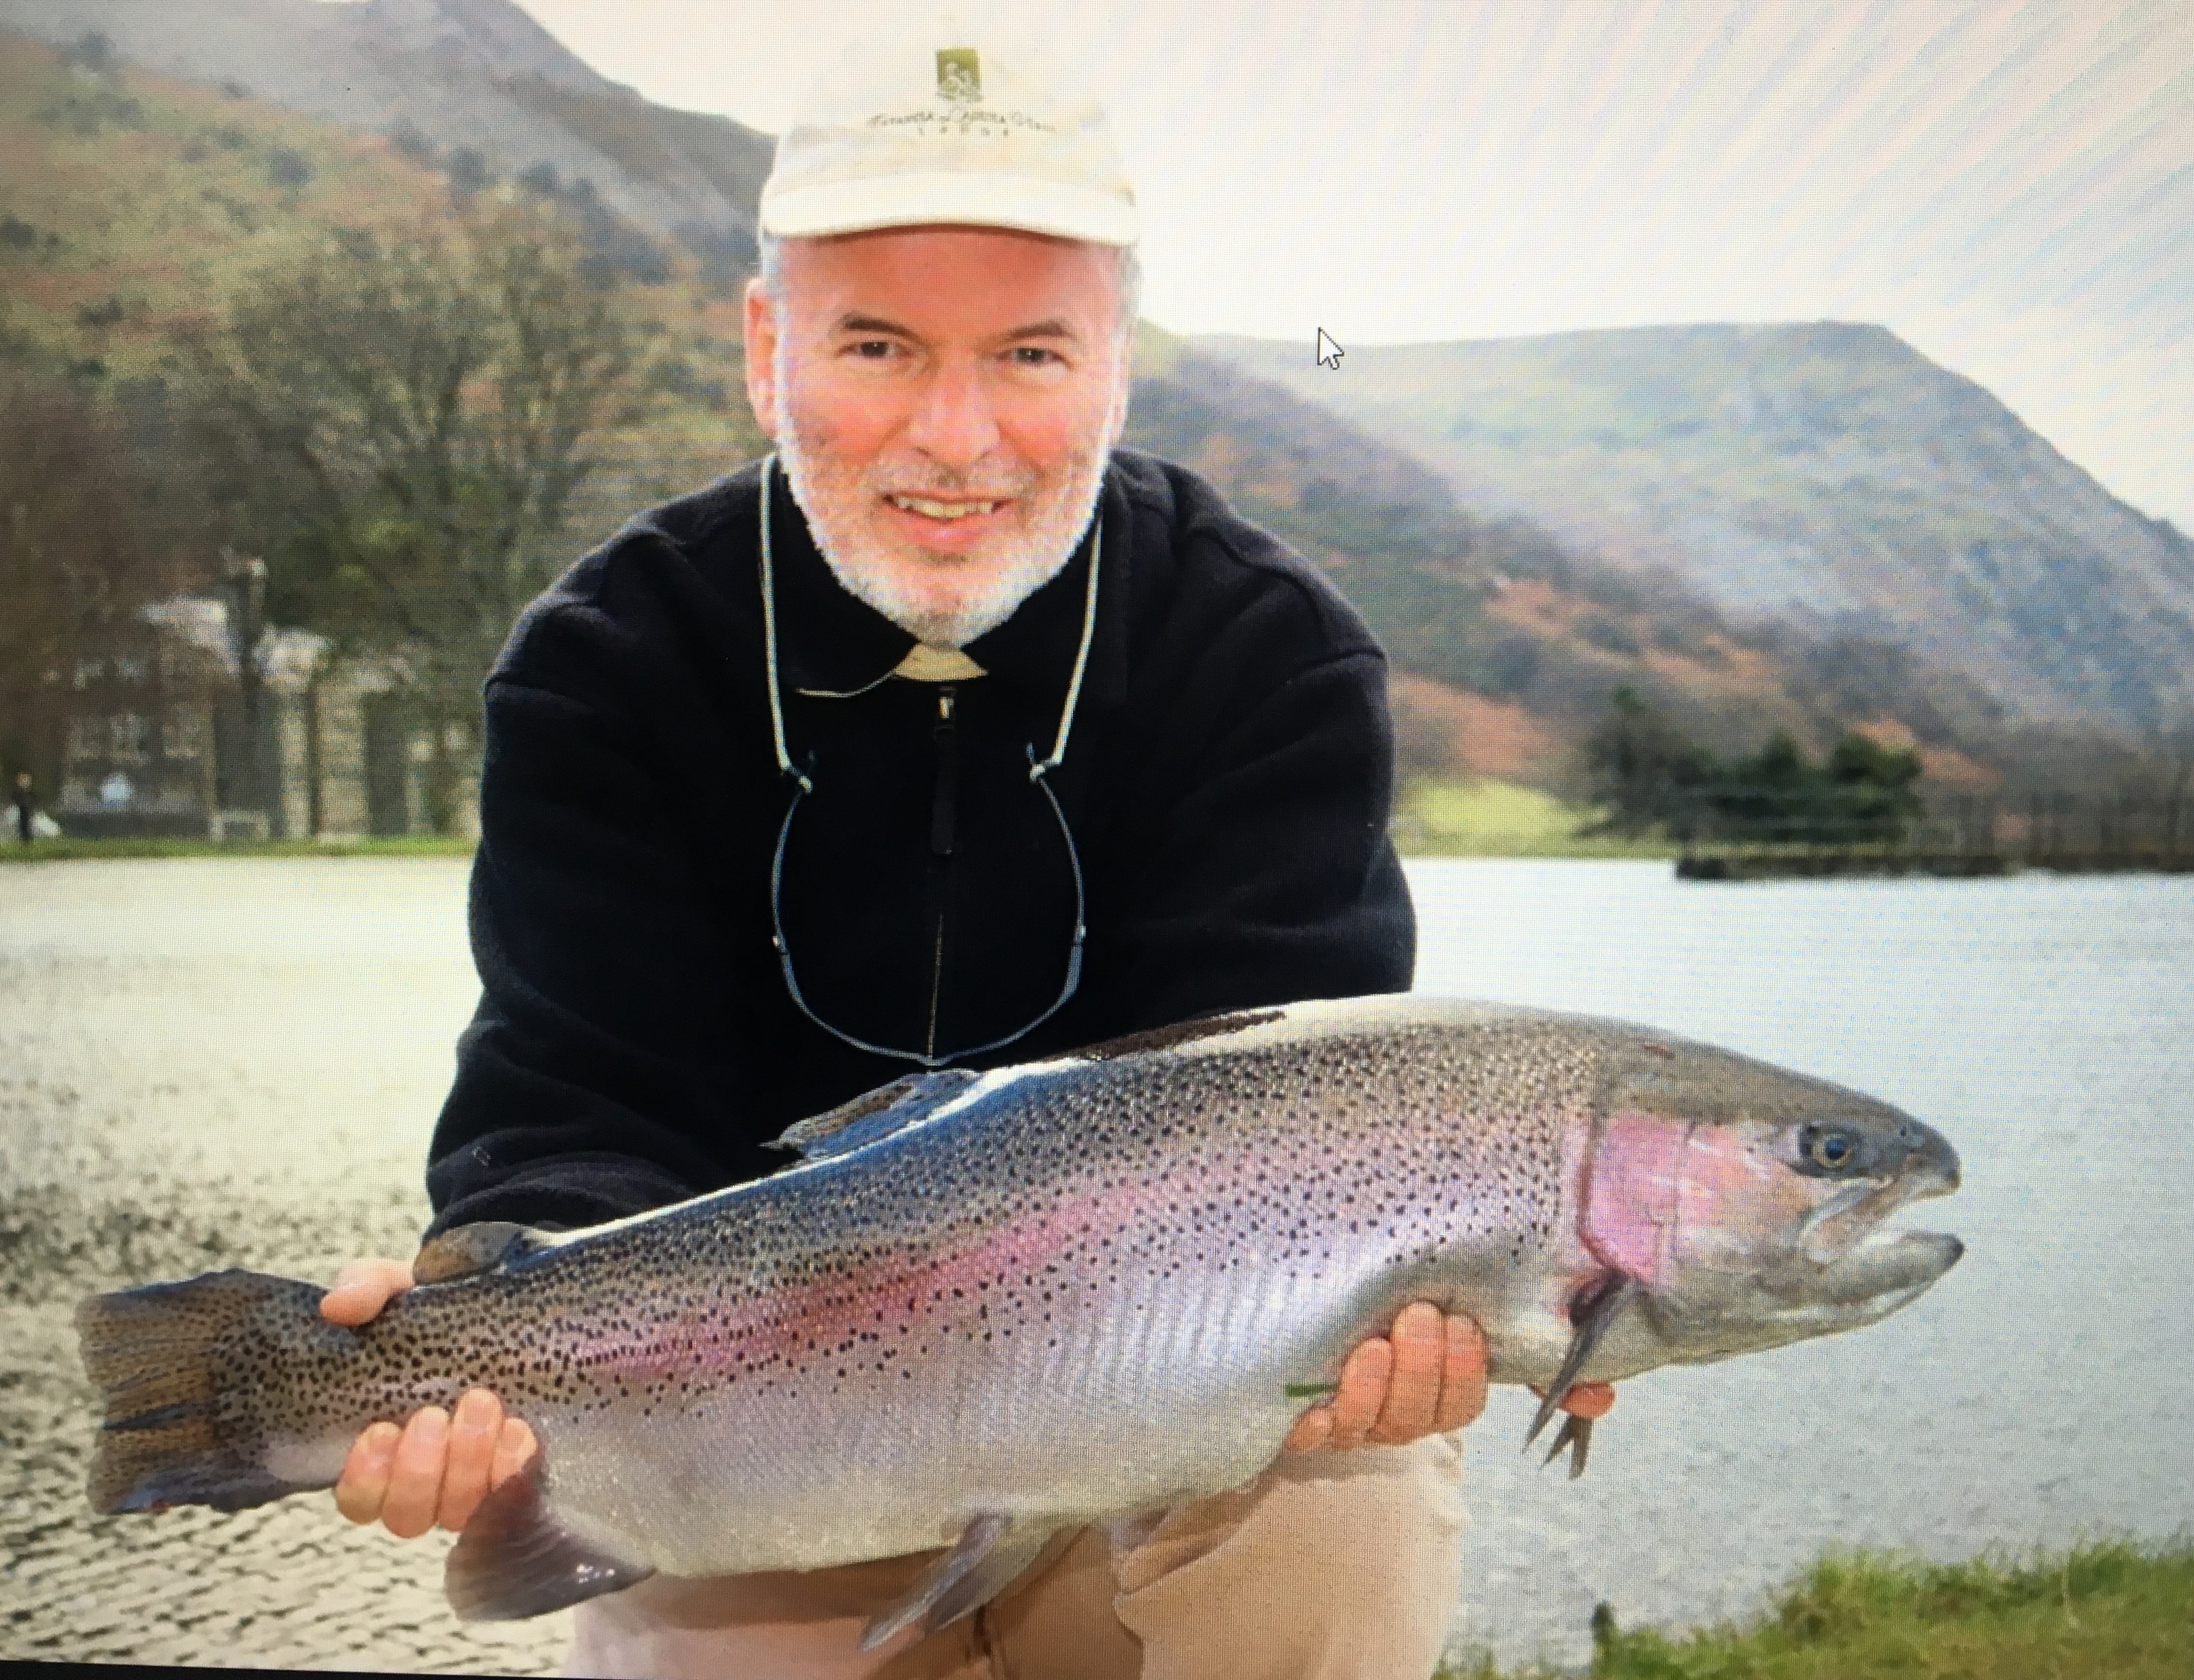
[403, 846]
[1496, 819]
[1479, 819]
[2110, 1611]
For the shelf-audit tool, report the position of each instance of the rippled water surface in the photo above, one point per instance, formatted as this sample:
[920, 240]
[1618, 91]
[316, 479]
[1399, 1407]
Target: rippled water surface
[208, 1063]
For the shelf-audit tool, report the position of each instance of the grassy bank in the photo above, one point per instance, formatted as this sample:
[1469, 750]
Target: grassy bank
[1482, 819]
[1501, 819]
[2113, 1611]
[402, 846]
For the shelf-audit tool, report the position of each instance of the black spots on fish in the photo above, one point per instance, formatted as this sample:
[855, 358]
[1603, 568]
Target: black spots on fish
[1040, 1207]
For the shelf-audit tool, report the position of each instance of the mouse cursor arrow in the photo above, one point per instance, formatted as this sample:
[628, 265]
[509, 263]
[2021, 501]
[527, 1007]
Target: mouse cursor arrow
[1329, 352]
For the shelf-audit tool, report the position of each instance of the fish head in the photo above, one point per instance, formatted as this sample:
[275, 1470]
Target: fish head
[1751, 1203]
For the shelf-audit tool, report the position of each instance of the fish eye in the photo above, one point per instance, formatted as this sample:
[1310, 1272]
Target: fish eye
[1833, 1150]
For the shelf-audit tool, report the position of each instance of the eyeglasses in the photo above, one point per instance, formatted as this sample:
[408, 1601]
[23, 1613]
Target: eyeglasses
[803, 784]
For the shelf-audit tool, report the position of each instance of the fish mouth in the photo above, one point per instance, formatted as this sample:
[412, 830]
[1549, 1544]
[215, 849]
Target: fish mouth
[1887, 1268]
[1861, 1257]
[1854, 1214]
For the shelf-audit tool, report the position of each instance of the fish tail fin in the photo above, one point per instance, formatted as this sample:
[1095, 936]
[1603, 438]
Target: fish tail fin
[171, 1361]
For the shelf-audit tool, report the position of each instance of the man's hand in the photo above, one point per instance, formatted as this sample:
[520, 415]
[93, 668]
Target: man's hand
[435, 1469]
[1427, 1378]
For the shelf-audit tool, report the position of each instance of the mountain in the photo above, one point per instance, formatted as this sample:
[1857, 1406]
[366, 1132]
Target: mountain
[472, 77]
[1508, 641]
[1821, 475]
[137, 202]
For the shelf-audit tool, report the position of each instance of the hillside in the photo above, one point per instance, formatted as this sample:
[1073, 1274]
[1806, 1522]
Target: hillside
[1822, 474]
[134, 204]
[476, 77]
[1508, 641]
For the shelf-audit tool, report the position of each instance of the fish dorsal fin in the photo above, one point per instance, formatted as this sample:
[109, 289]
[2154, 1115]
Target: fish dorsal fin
[473, 1248]
[878, 1114]
[990, 1557]
[514, 1560]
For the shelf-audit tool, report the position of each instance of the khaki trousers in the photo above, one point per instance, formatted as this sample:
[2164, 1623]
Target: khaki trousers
[1330, 1566]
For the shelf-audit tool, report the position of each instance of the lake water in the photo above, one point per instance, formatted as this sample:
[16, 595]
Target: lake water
[249, 1057]
[2037, 1393]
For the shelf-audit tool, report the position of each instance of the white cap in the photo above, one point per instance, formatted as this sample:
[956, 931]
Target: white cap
[948, 126]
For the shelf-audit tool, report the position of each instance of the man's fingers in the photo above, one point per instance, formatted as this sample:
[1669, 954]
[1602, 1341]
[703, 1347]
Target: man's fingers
[1312, 1430]
[1413, 1385]
[1462, 1376]
[474, 1432]
[415, 1486]
[1362, 1390]
[362, 1288]
[365, 1480]
[513, 1448]
[1589, 1399]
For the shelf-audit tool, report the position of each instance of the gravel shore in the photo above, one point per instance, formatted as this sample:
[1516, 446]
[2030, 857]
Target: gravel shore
[207, 1064]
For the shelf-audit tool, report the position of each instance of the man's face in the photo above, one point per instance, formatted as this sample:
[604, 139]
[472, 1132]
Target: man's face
[943, 399]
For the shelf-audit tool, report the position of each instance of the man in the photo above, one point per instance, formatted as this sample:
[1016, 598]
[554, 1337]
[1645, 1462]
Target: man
[26, 803]
[949, 736]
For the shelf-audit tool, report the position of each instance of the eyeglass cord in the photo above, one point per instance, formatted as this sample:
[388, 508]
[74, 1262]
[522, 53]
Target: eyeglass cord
[805, 785]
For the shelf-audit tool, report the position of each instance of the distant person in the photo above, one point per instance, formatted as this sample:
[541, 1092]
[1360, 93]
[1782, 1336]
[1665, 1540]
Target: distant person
[26, 804]
[979, 679]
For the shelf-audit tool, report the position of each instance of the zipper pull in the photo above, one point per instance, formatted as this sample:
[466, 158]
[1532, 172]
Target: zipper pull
[944, 804]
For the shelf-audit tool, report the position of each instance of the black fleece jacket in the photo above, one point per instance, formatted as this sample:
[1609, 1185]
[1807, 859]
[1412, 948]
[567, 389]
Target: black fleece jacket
[1226, 783]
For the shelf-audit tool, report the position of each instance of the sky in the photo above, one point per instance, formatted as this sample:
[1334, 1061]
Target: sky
[2008, 185]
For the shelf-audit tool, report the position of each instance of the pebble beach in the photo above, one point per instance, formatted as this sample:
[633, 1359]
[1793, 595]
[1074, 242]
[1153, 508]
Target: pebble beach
[206, 1064]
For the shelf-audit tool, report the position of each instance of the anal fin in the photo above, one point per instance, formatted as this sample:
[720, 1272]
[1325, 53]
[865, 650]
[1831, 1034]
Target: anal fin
[988, 1560]
[514, 1560]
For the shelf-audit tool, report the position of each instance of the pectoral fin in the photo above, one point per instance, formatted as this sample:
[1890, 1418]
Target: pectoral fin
[1592, 1309]
[989, 1556]
[515, 1559]
[1576, 1435]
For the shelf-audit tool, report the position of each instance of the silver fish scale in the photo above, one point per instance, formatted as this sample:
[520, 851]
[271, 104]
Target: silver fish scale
[1295, 1155]
[1003, 1295]
[1054, 1294]
[1441, 1135]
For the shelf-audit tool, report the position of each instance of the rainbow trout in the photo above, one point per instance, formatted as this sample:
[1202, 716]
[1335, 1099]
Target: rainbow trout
[988, 1307]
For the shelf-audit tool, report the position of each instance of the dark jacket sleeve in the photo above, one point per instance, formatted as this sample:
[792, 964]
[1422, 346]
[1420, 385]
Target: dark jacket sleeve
[596, 1060]
[1263, 871]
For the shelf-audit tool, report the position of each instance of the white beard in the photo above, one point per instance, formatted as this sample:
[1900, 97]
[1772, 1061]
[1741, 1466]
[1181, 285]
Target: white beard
[840, 504]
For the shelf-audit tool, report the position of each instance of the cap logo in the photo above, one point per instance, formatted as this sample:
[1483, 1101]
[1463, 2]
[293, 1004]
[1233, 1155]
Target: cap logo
[959, 75]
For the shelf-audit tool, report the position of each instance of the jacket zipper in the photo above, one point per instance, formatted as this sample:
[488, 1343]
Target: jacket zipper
[944, 811]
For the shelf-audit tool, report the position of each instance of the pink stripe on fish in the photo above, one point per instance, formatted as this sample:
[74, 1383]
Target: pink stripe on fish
[888, 1317]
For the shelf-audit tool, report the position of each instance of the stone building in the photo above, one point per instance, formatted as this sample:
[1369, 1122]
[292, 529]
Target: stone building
[161, 738]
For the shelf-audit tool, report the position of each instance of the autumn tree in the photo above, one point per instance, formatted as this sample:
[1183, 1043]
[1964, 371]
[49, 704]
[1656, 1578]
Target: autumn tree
[86, 534]
[402, 423]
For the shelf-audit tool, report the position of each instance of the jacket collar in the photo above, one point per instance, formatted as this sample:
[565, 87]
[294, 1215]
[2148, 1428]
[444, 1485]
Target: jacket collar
[828, 642]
